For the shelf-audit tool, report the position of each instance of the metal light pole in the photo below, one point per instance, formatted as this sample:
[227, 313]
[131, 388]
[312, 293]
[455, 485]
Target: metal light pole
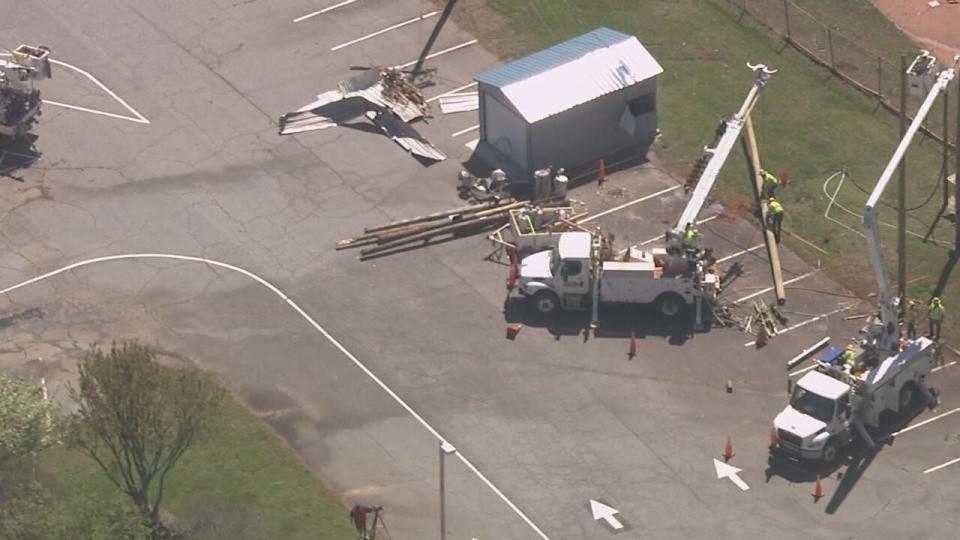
[445, 450]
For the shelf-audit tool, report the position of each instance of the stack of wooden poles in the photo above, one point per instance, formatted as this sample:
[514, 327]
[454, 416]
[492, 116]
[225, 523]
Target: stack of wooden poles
[382, 239]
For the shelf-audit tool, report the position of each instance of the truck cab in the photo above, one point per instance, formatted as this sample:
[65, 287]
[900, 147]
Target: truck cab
[559, 277]
[817, 422]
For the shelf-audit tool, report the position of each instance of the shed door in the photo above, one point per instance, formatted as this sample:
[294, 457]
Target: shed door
[505, 130]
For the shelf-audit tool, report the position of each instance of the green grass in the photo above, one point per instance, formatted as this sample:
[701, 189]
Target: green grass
[240, 473]
[807, 121]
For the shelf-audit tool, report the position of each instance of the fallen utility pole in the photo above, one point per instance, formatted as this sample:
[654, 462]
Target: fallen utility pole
[438, 215]
[428, 235]
[753, 158]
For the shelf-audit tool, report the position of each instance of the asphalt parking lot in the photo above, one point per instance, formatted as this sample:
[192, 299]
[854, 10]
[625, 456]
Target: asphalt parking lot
[407, 348]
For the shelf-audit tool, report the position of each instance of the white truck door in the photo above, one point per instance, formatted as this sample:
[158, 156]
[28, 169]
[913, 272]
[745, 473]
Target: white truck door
[574, 277]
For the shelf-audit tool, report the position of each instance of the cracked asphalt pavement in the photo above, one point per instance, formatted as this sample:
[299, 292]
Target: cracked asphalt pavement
[553, 421]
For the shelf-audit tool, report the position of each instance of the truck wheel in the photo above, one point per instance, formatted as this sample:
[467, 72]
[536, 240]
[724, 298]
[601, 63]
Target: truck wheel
[908, 393]
[670, 304]
[545, 302]
[831, 451]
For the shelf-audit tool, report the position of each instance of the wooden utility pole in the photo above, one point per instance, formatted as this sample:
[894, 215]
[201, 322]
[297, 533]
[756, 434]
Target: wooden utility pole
[902, 192]
[753, 164]
[956, 183]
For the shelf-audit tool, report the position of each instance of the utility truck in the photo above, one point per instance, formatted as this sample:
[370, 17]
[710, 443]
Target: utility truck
[19, 97]
[577, 272]
[839, 400]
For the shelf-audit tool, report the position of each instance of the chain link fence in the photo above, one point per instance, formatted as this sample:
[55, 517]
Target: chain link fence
[868, 71]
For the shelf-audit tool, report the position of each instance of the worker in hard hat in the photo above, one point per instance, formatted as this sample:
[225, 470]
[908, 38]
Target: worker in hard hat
[691, 238]
[775, 212]
[849, 358]
[770, 183]
[935, 312]
[910, 319]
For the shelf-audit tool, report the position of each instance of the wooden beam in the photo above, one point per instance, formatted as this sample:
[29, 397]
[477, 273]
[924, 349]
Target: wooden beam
[772, 248]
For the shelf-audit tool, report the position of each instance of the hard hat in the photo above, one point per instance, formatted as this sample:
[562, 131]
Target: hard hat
[935, 300]
[911, 302]
[772, 199]
[850, 346]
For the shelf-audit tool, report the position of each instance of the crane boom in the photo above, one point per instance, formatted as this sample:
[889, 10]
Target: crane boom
[721, 151]
[886, 337]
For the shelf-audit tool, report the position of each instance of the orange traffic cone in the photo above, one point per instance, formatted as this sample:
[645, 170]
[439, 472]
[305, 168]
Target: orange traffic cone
[728, 450]
[817, 490]
[774, 439]
[633, 345]
[513, 330]
[512, 276]
[601, 174]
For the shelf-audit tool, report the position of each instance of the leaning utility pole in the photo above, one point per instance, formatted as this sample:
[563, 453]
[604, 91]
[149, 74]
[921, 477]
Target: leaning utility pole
[418, 68]
[902, 193]
[956, 183]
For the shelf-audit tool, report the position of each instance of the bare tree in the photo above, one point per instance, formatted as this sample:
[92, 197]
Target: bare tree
[136, 418]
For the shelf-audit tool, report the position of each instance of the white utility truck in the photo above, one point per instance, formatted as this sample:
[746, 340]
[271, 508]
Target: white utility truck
[832, 403]
[19, 97]
[573, 273]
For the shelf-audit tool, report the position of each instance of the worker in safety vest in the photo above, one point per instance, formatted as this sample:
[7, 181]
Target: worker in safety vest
[691, 238]
[910, 319]
[770, 183]
[849, 358]
[775, 217]
[935, 312]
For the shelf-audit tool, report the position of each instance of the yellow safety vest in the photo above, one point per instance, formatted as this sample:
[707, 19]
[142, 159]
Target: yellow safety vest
[936, 312]
[849, 358]
[775, 207]
[770, 179]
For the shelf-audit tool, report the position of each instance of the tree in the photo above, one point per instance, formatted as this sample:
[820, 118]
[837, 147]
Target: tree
[136, 418]
[27, 419]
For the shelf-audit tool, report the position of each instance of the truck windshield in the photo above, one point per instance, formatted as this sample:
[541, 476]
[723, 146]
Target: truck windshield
[812, 404]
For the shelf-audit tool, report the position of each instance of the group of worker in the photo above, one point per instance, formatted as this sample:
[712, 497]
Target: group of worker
[935, 313]
[774, 207]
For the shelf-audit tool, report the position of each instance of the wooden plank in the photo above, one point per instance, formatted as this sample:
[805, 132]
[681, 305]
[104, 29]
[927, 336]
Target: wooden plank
[772, 248]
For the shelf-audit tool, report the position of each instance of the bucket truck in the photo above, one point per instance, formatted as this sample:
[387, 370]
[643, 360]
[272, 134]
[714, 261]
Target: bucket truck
[19, 97]
[574, 274]
[836, 401]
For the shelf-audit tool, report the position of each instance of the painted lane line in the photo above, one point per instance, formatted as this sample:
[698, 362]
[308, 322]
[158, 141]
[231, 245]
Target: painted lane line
[385, 30]
[324, 10]
[742, 252]
[140, 119]
[803, 323]
[768, 289]
[938, 467]
[439, 53]
[948, 364]
[451, 92]
[464, 131]
[655, 238]
[925, 422]
[801, 371]
[329, 337]
[631, 203]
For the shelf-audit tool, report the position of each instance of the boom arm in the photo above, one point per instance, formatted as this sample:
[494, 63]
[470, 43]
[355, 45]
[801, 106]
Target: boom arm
[721, 151]
[888, 314]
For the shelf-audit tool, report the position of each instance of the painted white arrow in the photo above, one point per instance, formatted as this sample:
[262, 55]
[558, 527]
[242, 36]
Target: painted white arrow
[729, 471]
[604, 512]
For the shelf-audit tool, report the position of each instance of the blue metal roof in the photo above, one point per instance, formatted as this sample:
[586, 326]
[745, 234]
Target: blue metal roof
[552, 57]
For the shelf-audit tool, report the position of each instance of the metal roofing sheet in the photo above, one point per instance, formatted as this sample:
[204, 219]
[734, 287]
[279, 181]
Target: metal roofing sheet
[573, 72]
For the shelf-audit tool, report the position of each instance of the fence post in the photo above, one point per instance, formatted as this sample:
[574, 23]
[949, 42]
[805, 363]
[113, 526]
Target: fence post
[833, 64]
[880, 77]
[786, 16]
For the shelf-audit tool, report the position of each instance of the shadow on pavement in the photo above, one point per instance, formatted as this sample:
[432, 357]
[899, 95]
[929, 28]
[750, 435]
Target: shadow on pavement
[615, 322]
[16, 154]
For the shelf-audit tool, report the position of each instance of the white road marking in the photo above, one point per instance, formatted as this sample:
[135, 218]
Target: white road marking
[938, 467]
[768, 289]
[938, 368]
[739, 253]
[801, 371]
[803, 323]
[439, 53]
[384, 31]
[309, 319]
[631, 203]
[464, 131]
[140, 119]
[451, 92]
[606, 513]
[324, 10]
[925, 422]
[725, 470]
